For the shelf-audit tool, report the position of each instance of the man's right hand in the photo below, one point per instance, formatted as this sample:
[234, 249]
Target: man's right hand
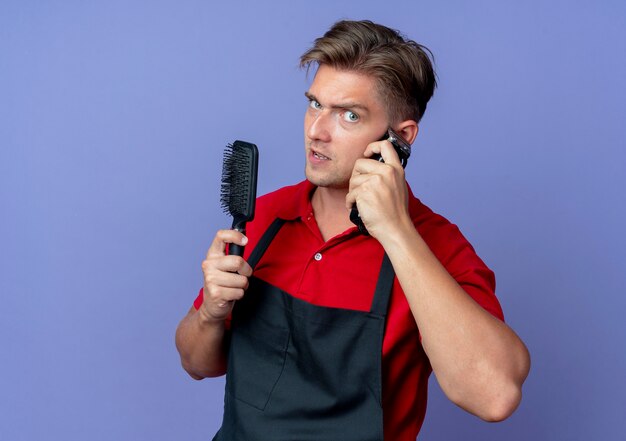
[225, 277]
[200, 335]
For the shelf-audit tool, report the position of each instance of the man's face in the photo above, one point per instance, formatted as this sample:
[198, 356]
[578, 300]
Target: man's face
[344, 115]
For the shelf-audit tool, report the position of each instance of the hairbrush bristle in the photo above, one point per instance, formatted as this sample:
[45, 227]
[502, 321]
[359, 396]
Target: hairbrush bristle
[239, 176]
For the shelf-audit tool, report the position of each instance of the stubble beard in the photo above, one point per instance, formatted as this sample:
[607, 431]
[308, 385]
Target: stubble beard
[328, 179]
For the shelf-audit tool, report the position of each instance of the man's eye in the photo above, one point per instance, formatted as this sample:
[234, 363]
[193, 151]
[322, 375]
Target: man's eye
[350, 116]
[314, 105]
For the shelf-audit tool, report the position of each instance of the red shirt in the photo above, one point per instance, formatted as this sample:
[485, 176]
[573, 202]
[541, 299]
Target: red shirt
[342, 273]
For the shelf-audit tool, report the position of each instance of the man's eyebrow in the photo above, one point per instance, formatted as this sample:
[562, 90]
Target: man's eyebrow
[347, 105]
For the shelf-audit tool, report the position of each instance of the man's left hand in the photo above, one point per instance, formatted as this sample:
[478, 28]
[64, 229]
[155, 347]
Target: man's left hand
[379, 190]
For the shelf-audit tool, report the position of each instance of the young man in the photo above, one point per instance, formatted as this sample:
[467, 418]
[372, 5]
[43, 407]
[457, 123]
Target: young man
[335, 334]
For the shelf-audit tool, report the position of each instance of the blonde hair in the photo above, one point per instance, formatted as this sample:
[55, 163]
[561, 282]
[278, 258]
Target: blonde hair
[402, 68]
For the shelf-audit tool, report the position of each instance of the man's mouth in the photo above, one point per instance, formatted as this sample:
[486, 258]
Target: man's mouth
[320, 156]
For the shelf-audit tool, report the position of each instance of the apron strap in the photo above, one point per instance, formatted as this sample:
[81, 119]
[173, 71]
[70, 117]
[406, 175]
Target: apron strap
[264, 242]
[380, 303]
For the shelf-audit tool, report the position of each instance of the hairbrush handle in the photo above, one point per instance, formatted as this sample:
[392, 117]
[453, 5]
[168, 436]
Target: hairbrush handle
[236, 249]
[239, 224]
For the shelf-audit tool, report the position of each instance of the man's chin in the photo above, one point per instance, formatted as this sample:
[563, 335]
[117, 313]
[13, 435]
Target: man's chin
[326, 180]
[327, 183]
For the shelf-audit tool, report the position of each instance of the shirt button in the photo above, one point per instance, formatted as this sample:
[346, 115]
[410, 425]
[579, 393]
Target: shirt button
[318, 256]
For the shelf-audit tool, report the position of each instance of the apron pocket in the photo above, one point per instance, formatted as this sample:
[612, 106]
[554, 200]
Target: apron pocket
[255, 361]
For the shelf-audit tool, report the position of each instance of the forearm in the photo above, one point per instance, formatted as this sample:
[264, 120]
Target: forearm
[201, 337]
[201, 343]
[478, 360]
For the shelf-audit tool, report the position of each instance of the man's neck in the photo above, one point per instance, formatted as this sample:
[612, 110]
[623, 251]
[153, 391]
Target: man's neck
[331, 214]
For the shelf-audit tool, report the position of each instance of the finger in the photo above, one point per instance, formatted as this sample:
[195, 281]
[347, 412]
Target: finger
[222, 237]
[223, 308]
[235, 264]
[373, 148]
[225, 280]
[389, 154]
[357, 180]
[385, 149]
[225, 305]
[364, 187]
[220, 295]
[350, 199]
[364, 166]
[353, 197]
[230, 264]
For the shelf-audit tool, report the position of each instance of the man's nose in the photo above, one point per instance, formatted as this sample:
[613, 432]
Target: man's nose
[320, 125]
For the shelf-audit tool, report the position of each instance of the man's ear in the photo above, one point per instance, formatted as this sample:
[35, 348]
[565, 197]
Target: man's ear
[407, 129]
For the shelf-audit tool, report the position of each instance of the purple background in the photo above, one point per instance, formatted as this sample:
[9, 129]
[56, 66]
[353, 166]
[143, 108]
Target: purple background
[113, 118]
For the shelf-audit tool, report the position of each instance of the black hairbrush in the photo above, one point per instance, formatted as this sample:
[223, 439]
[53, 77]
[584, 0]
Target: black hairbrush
[238, 192]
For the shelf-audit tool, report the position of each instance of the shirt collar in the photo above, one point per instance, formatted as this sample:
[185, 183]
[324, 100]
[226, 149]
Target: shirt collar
[302, 207]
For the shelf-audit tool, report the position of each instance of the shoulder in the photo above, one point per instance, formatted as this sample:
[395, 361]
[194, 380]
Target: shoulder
[457, 255]
[442, 236]
[274, 201]
[288, 202]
